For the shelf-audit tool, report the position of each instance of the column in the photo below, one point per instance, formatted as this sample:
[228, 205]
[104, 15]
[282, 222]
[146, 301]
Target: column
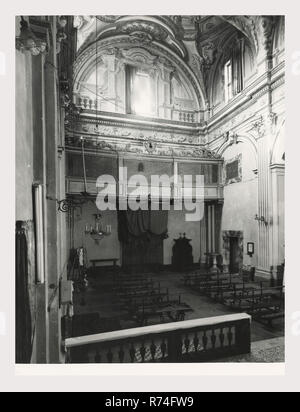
[203, 243]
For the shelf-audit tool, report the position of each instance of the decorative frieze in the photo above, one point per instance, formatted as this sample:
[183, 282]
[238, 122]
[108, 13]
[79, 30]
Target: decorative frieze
[135, 134]
[145, 147]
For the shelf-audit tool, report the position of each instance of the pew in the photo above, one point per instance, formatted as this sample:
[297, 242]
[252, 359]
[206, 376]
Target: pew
[270, 317]
[191, 280]
[260, 300]
[172, 311]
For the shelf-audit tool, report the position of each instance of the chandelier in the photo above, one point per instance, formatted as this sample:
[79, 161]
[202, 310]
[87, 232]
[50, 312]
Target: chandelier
[99, 231]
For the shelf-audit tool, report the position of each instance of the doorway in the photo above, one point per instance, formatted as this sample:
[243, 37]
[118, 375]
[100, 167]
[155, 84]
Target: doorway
[234, 255]
[233, 250]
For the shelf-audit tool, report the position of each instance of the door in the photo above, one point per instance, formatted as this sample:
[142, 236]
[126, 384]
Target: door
[234, 255]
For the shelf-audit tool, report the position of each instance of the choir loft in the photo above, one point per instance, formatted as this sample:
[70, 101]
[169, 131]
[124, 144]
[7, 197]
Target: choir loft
[126, 128]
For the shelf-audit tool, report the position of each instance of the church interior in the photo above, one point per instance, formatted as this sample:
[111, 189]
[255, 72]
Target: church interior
[115, 97]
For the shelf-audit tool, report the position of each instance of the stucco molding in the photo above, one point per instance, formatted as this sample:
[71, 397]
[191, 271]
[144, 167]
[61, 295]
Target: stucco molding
[143, 146]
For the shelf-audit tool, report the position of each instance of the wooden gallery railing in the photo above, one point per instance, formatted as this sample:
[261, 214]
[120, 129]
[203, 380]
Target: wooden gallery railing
[197, 340]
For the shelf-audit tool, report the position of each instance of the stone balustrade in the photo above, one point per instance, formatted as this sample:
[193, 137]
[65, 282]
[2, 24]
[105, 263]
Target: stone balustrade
[197, 340]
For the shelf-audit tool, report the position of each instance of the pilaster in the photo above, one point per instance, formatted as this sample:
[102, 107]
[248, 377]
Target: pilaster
[263, 130]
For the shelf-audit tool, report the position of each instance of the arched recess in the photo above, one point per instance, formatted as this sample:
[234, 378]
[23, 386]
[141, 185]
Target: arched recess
[237, 47]
[163, 62]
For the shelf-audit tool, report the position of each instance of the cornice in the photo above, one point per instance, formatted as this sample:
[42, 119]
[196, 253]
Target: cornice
[242, 102]
[247, 98]
[42, 29]
[137, 122]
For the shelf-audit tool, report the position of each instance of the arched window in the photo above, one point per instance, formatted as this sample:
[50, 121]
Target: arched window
[140, 93]
[234, 69]
[228, 81]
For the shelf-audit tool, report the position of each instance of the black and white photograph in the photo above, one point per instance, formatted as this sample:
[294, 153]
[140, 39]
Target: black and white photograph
[150, 189]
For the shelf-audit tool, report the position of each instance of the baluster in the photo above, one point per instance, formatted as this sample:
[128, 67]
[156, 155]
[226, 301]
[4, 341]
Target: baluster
[132, 353]
[91, 104]
[222, 338]
[196, 342]
[187, 344]
[205, 340]
[121, 354]
[85, 103]
[163, 348]
[230, 336]
[97, 356]
[68, 356]
[110, 356]
[153, 350]
[213, 339]
[143, 352]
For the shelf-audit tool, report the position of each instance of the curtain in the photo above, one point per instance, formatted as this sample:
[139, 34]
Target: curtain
[23, 313]
[142, 224]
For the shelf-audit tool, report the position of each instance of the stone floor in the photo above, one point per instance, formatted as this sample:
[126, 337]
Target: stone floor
[100, 299]
[265, 351]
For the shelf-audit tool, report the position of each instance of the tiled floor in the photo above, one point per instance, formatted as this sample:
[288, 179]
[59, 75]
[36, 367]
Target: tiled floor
[100, 299]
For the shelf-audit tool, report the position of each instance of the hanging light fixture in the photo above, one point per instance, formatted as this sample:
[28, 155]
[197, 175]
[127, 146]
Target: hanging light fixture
[98, 231]
[29, 41]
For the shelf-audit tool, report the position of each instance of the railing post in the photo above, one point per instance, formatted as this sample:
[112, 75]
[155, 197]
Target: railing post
[243, 337]
[174, 347]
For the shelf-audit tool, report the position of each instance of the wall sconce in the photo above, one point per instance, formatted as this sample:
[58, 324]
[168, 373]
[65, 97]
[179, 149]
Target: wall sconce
[28, 40]
[250, 249]
[261, 219]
